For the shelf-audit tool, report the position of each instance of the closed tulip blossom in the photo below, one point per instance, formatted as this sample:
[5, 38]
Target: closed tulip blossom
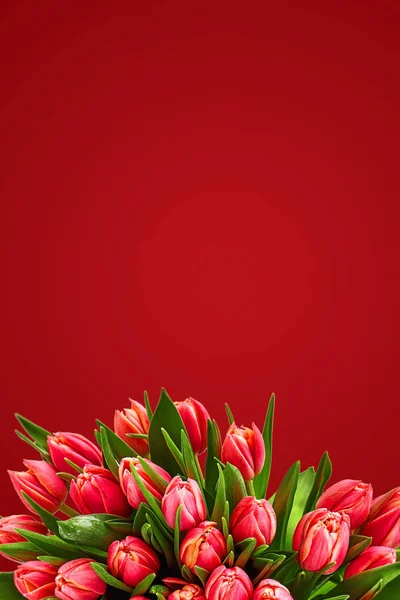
[244, 448]
[190, 591]
[76, 580]
[35, 579]
[383, 521]
[41, 483]
[133, 420]
[371, 558]
[8, 535]
[194, 416]
[253, 518]
[97, 491]
[203, 546]
[351, 496]
[188, 495]
[269, 589]
[229, 584]
[76, 448]
[131, 488]
[131, 560]
[321, 538]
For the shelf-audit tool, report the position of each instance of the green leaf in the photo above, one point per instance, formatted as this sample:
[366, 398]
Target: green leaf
[38, 434]
[229, 414]
[143, 586]
[322, 477]
[163, 541]
[220, 498]
[73, 465]
[234, 485]
[44, 454]
[48, 519]
[357, 544]
[108, 578]
[8, 591]
[118, 446]
[261, 480]
[177, 532]
[52, 560]
[213, 452]
[391, 591]
[304, 486]
[202, 574]
[94, 530]
[283, 503]
[360, 584]
[51, 544]
[189, 459]
[148, 496]
[249, 545]
[21, 551]
[108, 453]
[175, 451]
[148, 407]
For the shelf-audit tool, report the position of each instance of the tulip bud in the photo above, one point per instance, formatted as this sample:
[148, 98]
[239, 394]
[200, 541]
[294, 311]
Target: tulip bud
[188, 592]
[322, 537]
[133, 420]
[35, 579]
[244, 448]
[271, 590]
[253, 518]
[194, 416]
[204, 546]
[371, 558]
[383, 521]
[76, 448]
[97, 491]
[8, 535]
[131, 488]
[351, 496]
[41, 483]
[131, 560]
[229, 584]
[188, 495]
[76, 580]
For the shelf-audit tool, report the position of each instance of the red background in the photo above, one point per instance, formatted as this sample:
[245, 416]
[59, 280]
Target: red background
[204, 199]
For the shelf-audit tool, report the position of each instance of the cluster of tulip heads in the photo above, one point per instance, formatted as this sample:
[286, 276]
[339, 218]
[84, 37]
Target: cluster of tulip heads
[139, 515]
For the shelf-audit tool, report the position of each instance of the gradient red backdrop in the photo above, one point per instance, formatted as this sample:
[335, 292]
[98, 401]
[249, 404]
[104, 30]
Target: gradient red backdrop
[204, 198]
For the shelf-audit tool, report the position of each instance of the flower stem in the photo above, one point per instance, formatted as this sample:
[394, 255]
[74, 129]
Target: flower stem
[67, 510]
[250, 487]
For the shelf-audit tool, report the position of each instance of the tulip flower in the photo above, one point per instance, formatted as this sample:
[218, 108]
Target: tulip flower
[204, 546]
[131, 488]
[76, 448]
[188, 592]
[8, 535]
[97, 491]
[41, 483]
[244, 448]
[35, 579]
[383, 522]
[188, 495]
[253, 518]
[351, 496]
[371, 558]
[194, 416]
[76, 580]
[271, 590]
[229, 584]
[133, 420]
[131, 560]
[321, 538]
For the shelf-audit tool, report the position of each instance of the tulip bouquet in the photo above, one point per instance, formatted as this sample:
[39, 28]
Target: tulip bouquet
[162, 507]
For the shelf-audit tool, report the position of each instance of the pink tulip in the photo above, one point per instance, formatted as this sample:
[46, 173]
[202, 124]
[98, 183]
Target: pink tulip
[76, 580]
[383, 522]
[204, 546]
[244, 448]
[97, 491]
[229, 584]
[188, 592]
[8, 535]
[76, 448]
[41, 483]
[271, 590]
[194, 416]
[35, 579]
[188, 495]
[322, 537]
[133, 420]
[131, 488]
[253, 518]
[371, 558]
[131, 560]
[351, 496]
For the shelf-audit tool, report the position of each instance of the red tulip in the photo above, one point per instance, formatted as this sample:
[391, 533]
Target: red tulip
[8, 535]
[188, 592]
[229, 584]
[35, 579]
[371, 558]
[76, 580]
[271, 590]
[97, 491]
[253, 518]
[41, 483]
[383, 522]
[131, 488]
[76, 448]
[204, 546]
[188, 495]
[194, 416]
[244, 448]
[133, 420]
[322, 537]
[351, 496]
[131, 560]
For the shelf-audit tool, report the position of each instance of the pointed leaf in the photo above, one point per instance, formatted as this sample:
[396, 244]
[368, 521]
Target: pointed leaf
[108, 578]
[322, 477]
[229, 414]
[361, 583]
[304, 486]
[234, 485]
[37, 433]
[148, 407]
[20, 551]
[143, 586]
[262, 479]
[283, 503]
[48, 519]
[213, 451]
[165, 416]
[8, 591]
[118, 446]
